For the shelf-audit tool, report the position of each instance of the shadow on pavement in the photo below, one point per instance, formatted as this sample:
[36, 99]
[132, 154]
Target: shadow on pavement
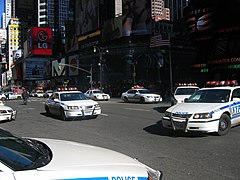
[158, 129]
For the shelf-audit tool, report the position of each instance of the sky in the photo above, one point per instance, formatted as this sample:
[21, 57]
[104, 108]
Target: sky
[1, 11]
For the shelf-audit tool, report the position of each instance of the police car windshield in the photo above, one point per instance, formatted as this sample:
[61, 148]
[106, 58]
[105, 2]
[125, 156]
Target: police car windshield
[73, 96]
[185, 91]
[18, 153]
[144, 91]
[210, 96]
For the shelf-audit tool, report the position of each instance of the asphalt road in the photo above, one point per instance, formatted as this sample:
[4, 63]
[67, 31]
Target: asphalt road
[135, 129]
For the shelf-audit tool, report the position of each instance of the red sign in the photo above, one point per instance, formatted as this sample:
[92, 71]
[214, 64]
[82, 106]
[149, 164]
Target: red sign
[40, 41]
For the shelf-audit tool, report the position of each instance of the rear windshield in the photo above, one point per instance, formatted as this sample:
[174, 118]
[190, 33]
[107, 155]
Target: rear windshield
[185, 91]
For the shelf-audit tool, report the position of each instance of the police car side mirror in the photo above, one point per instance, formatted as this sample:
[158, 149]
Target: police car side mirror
[236, 99]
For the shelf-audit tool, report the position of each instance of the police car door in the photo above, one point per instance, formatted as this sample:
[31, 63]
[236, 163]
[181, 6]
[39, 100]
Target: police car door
[132, 95]
[235, 107]
[55, 103]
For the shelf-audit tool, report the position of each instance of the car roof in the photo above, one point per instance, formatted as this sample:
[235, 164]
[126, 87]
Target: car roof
[221, 87]
[138, 89]
[187, 87]
[60, 92]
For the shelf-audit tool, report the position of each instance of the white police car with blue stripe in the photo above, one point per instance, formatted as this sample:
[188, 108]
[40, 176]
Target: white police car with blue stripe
[71, 104]
[51, 159]
[214, 109]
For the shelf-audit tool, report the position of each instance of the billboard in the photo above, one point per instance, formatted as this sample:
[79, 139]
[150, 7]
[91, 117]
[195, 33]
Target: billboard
[136, 17]
[35, 69]
[73, 62]
[40, 41]
[86, 16]
[58, 68]
[208, 19]
[112, 29]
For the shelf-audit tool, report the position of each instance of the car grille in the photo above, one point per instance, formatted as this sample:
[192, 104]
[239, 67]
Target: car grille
[88, 107]
[181, 116]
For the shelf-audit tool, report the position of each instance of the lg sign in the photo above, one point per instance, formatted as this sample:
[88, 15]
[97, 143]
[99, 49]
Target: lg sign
[41, 41]
[42, 37]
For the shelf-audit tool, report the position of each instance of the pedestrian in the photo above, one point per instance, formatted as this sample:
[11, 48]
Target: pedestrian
[25, 96]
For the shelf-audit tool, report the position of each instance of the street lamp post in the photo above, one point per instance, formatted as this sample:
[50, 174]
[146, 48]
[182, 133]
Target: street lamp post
[101, 52]
[89, 72]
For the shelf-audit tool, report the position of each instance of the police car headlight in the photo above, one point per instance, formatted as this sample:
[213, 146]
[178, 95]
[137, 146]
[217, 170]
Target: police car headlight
[167, 114]
[96, 106]
[72, 107]
[154, 175]
[202, 116]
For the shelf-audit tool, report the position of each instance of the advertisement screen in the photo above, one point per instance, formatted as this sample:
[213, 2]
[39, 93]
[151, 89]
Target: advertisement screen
[136, 19]
[86, 16]
[210, 18]
[112, 29]
[35, 69]
[40, 41]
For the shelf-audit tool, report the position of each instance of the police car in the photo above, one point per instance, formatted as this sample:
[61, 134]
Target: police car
[69, 103]
[183, 91]
[213, 109]
[51, 159]
[7, 113]
[140, 94]
[97, 94]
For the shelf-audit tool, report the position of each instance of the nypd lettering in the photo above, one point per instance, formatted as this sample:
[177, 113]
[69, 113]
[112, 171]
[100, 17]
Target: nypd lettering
[235, 109]
[124, 178]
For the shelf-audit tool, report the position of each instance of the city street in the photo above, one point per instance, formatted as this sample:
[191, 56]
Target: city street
[135, 129]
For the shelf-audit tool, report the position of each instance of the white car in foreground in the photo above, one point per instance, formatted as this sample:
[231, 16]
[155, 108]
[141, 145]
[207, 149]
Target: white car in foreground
[71, 105]
[7, 113]
[208, 110]
[50, 159]
[97, 94]
[140, 95]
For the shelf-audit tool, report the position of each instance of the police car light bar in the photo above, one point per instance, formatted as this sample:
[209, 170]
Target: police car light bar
[187, 84]
[137, 87]
[67, 89]
[222, 83]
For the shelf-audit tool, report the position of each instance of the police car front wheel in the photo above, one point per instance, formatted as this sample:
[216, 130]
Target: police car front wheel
[62, 114]
[224, 125]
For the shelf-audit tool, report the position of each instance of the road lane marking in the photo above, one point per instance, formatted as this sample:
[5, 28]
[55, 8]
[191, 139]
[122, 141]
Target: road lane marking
[134, 109]
[104, 114]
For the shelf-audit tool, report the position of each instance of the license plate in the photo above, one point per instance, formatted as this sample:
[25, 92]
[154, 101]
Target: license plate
[179, 125]
[88, 113]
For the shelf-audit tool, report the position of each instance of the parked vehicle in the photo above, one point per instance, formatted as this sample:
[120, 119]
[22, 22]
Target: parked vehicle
[11, 96]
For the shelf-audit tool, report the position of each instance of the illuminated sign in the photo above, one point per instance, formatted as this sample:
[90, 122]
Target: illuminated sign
[40, 41]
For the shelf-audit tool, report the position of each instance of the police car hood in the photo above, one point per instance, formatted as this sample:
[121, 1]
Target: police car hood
[3, 107]
[79, 102]
[194, 107]
[69, 155]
